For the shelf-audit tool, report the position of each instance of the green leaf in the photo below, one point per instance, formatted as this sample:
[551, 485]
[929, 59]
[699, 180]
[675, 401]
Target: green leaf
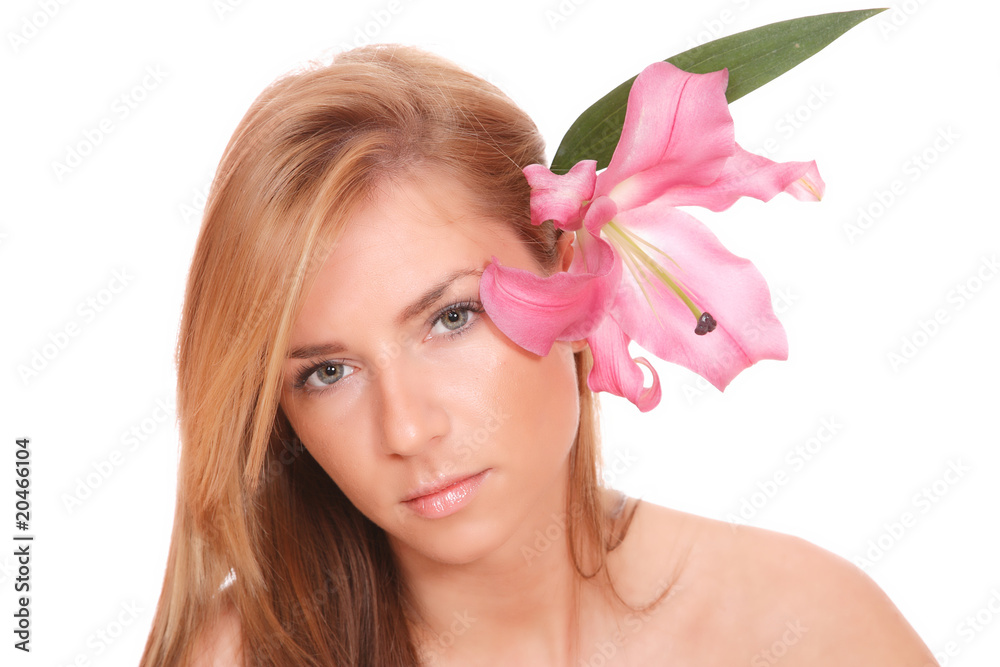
[753, 57]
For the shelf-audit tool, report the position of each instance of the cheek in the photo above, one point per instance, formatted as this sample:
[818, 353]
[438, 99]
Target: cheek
[336, 445]
[504, 406]
[536, 400]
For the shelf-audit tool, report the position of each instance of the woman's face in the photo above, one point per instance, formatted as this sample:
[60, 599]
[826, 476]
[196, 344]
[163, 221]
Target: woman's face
[436, 426]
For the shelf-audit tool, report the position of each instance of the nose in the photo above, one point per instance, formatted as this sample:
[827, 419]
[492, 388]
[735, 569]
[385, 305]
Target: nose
[412, 415]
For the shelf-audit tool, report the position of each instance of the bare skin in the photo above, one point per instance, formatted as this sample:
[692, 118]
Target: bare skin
[782, 599]
[488, 590]
[730, 595]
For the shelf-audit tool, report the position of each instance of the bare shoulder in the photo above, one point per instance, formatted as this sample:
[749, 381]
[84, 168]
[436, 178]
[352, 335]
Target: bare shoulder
[219, 645]
[755, 595]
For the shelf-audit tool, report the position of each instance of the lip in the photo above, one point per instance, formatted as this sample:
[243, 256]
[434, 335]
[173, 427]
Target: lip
[447, 497]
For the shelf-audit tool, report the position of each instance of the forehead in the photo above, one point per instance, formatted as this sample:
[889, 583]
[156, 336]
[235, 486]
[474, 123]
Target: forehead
[423, 220]
[414, 232]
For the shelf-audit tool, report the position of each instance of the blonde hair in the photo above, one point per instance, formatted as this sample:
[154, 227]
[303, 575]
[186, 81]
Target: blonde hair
[315, 582]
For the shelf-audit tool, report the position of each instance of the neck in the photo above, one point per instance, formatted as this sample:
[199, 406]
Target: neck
[528, 589]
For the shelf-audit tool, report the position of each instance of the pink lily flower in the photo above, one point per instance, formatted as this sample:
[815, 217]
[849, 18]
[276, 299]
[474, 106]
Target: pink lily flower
[642, 269]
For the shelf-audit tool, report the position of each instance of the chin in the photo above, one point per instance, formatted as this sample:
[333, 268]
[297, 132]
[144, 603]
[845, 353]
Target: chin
[454, 544]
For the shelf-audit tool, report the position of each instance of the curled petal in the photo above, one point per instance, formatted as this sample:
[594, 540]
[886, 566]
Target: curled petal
[561, 198]
[614, 369]
[535, 311]
[678, 132]
[749, 175]
[810, 186]
[599, 213]
[729, 287]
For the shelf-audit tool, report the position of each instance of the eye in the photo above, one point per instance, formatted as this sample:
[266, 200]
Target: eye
[324, 374]
[455, 318]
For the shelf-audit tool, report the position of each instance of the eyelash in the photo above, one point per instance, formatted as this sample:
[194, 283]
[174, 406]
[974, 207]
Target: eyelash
[470, 306]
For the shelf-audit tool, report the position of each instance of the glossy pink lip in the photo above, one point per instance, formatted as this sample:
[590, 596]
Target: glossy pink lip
[447, 498]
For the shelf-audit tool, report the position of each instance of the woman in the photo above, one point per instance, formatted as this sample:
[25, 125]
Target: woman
[372, 473]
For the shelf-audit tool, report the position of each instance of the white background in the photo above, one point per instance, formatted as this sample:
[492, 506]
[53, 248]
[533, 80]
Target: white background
[864, 108]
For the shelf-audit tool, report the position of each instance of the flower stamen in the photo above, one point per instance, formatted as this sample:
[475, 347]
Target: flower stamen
[639, 261]
[706, 324]
[811, 187]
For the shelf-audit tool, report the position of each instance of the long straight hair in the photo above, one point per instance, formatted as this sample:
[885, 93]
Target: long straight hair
[312, 580]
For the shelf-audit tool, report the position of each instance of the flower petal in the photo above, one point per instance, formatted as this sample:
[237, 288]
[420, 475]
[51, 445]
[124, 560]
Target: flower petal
[677, 131]
[560, 198]
[615, 370]
[749, 175]
[729, 287]
[600, 212]
[534, 311]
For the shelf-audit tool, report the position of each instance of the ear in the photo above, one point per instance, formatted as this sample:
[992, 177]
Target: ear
[564, 249]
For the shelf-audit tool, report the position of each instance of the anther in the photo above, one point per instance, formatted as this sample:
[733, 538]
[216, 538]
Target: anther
[706, 323]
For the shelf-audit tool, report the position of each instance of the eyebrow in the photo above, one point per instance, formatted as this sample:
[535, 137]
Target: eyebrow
[425, 301]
